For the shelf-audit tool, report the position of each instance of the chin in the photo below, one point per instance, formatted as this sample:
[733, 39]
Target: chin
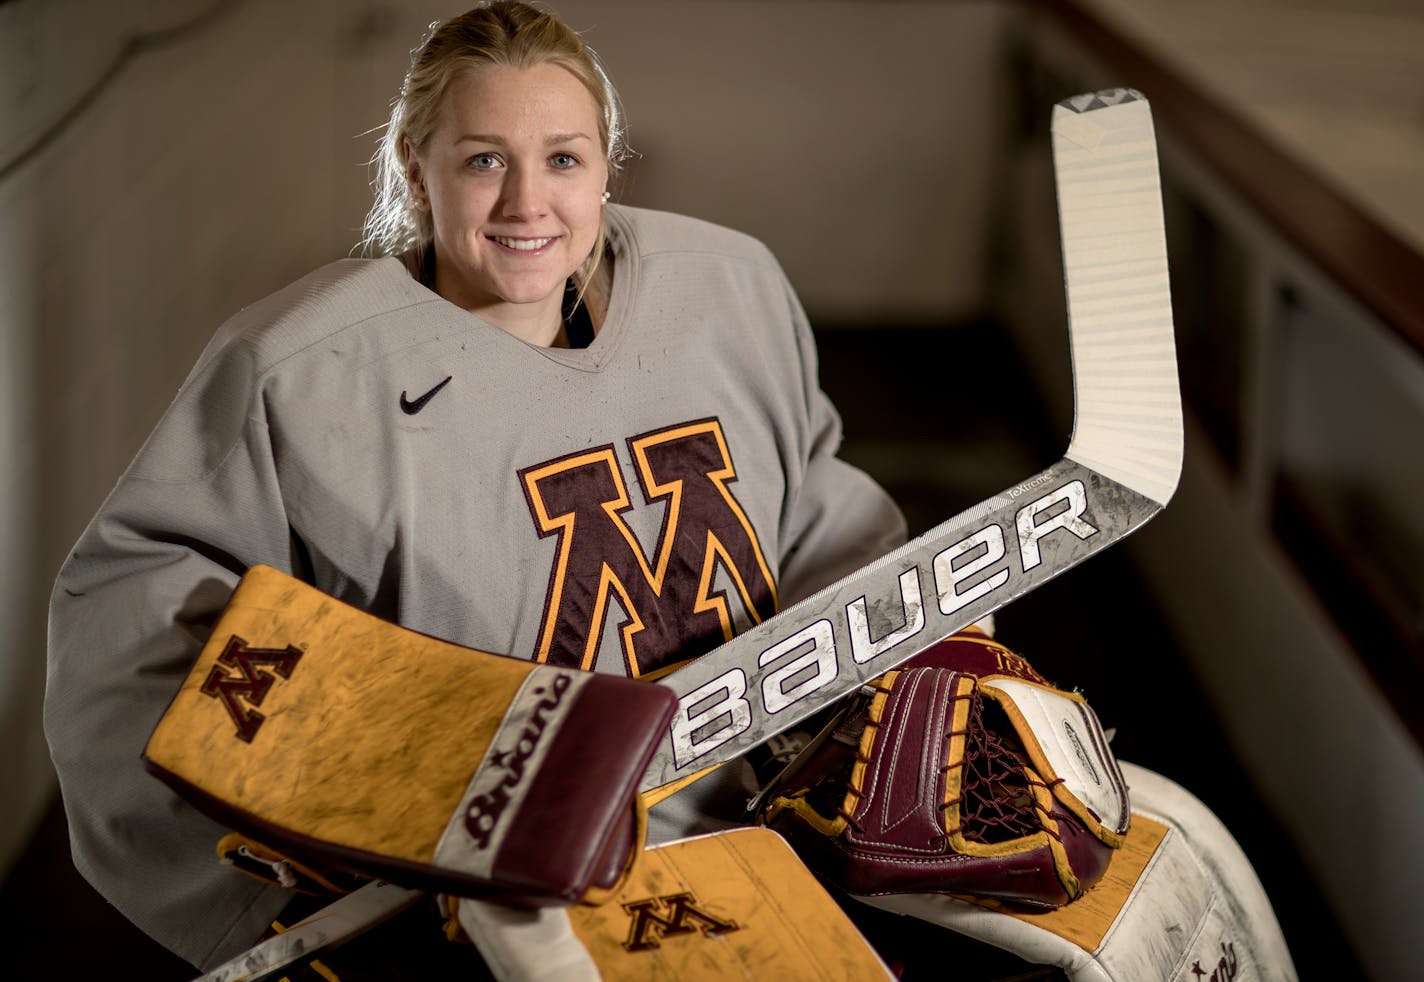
[530, 293]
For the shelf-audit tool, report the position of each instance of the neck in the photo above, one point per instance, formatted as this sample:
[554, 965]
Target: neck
[539, 322]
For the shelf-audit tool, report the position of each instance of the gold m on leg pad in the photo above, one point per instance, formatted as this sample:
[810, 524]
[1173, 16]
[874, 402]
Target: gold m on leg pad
[347, 741]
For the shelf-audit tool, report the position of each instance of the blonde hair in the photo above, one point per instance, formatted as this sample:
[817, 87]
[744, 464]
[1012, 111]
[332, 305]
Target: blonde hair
[503, 32]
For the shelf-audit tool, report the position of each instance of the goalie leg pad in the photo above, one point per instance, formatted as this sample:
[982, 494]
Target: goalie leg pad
[736, 904]
[346, 741]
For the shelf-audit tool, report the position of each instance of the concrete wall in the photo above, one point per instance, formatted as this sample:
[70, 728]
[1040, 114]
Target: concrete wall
[165, 162]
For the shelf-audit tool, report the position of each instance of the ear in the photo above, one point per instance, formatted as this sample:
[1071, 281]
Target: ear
[414, 180]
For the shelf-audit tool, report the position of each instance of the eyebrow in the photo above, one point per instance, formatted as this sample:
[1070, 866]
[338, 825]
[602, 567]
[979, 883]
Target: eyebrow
[499, 141]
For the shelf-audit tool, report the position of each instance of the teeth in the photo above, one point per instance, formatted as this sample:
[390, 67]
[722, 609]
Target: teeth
[523, 245]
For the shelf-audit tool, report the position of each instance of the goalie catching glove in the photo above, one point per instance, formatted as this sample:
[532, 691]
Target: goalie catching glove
[346, 742]
[962, 772]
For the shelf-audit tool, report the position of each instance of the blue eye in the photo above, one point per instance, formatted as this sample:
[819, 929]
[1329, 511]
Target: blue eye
[483, 161]
[563, 161]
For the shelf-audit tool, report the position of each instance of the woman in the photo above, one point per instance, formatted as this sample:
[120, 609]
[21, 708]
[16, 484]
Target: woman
[543, 425]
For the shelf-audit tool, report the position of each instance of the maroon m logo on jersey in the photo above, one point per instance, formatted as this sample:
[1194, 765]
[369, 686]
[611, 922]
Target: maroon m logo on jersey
[683, 917]
[249, 686]
[674, 609]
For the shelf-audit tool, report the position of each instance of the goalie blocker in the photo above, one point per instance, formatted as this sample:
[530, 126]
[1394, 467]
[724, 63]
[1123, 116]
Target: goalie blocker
[343, 741]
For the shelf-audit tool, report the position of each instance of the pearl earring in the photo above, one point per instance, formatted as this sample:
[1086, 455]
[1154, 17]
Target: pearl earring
[605, 197]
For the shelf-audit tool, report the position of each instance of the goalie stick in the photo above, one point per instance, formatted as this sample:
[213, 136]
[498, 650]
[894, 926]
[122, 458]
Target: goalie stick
[1121, 467]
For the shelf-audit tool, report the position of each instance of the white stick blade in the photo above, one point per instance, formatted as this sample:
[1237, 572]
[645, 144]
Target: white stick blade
[1128, 415]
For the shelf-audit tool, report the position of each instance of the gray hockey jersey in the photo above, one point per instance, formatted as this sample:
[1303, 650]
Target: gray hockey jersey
[620, 507]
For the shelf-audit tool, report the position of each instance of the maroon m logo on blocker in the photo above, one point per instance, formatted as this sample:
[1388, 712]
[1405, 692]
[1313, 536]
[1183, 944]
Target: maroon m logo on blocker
[249, 686]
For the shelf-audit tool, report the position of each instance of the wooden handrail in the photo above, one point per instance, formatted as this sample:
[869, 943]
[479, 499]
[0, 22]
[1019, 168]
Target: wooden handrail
[1369, 261]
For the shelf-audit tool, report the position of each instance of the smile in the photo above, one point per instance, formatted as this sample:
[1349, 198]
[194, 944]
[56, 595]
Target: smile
[521, 245]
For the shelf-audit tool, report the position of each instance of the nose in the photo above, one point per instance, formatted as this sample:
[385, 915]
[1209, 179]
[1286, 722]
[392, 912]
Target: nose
[525, 195]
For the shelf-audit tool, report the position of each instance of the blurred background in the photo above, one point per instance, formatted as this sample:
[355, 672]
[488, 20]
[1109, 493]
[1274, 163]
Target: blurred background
[164, 162]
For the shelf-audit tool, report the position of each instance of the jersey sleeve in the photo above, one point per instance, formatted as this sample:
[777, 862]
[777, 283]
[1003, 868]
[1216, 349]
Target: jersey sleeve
[837, 518]
[131, 607]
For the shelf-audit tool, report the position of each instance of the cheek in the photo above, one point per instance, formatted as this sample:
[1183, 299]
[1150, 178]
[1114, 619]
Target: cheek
[585, 217]
[589, 204]
[592, 219]
[456, 209]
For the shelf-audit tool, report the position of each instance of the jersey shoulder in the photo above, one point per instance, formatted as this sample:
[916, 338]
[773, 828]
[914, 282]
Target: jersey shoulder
[330, 299]
[654, 233]
[257, 345]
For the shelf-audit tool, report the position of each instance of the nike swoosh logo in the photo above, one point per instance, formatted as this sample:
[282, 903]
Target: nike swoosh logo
[411, 408]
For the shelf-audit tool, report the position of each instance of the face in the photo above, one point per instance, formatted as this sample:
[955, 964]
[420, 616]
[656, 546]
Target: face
[514, 175]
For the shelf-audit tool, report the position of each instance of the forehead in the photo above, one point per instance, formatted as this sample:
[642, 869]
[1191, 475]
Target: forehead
[504, 101]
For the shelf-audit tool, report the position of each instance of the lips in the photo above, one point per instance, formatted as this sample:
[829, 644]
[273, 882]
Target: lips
[521, 244]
